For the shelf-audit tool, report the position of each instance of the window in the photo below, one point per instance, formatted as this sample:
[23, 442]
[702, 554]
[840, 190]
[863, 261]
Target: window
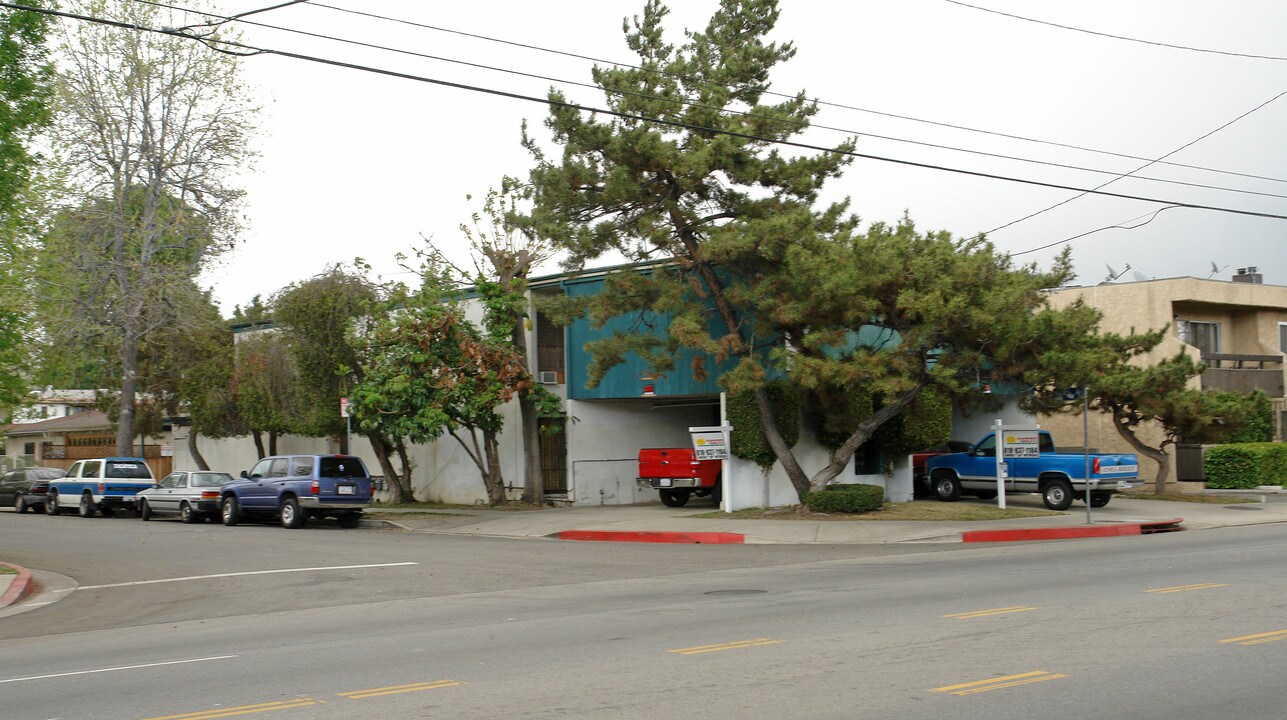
[279, 467]
[1205, 336]
[549, 344]
[341, 467]
[301, 466]
[1282, 337]
[168, 481]
[867, 460]
[90, 468]
[261, 469]
[125, 470]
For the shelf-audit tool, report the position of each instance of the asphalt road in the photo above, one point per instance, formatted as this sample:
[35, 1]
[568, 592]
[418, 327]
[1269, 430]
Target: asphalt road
[201, 622]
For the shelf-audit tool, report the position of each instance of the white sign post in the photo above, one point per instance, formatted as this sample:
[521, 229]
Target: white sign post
[1013, 442]
[711, 443]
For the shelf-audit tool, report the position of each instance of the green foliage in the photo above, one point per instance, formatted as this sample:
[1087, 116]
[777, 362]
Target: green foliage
[1246, 465]
[926, 423]
[1258, 422]
[856, 498]
[317, 319]
[26, 91]
[748, 441]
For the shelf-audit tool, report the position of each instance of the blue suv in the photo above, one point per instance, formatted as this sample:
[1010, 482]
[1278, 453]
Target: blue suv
[293, 488]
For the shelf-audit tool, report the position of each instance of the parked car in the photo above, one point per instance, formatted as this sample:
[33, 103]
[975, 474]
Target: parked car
[293, 488]
[100, 485]
[191, 495]
[679, 475]
[1060, 477]
[25, 488]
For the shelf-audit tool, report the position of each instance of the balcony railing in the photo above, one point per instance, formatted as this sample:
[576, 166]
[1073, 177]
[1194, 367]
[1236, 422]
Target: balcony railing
[1243, 373]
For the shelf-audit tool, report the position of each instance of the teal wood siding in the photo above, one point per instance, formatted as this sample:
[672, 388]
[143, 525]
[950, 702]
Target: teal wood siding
[626, 380]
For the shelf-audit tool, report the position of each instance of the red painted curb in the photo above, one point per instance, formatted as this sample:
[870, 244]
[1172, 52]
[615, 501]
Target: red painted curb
[1066, 533]
[697, 538]
[19, 588]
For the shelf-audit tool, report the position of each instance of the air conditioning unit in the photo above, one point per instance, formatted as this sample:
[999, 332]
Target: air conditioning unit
[548, 377]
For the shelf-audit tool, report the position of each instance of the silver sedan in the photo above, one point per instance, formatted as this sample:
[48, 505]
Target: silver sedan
[192, 495]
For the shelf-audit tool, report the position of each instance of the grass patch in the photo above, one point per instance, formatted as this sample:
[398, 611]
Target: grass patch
[930, 511]
[1190, 498]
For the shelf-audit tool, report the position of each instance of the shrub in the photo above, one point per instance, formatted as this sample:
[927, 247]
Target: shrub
[854, 498]
[1246, 465]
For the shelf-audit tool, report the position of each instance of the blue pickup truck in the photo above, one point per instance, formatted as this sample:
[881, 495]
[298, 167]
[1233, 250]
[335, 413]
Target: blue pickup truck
[1060, 477]
[101, 485]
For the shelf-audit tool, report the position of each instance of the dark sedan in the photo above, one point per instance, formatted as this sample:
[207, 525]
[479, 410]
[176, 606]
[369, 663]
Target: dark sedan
[24, 489]
[192, 495]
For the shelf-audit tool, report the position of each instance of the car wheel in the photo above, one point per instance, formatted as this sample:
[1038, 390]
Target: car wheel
[293, 516]
[20, 505]
[718, 493]
[51, 504]
[145, 511]
[1100, 498]
[349, 520]
[674, 498]
[1057, 495]
[186, 514]
[947, 488]
[87, 509]
[230, 511]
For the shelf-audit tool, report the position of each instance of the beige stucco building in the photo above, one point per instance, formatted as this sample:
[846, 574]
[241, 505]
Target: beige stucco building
[1238, 328]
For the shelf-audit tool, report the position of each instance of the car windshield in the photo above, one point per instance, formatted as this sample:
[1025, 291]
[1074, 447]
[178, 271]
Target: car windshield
[206, 479]
[127, 470]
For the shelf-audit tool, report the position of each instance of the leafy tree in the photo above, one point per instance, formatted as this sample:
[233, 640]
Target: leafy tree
[264, 390]
[430, 372]
[687, 177]
[26, 89]
[503, 260]
[1140, 395]
[151, 129]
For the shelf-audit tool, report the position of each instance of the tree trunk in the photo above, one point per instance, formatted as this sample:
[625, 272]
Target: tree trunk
[399, 484]
[193, 451]
[129, 385]
[272, 442]
[259, 443]
[840, 458]
[493, 478]
[769, 426]
[1157, 455]
[533, 478]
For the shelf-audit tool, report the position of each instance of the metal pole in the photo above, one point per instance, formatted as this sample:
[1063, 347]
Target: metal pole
[1085, 433]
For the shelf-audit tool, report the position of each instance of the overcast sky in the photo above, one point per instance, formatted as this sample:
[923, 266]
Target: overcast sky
[359, 164]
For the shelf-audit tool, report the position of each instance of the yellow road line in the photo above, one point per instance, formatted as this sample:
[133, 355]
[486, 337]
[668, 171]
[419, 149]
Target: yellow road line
[395, 689]
[736, 645]
[1182, 588]
[1258, 638]
[998, 683]
[240, 710]
[986, 613]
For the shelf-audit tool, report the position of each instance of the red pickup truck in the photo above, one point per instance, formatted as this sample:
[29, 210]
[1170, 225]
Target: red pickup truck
[678, 476]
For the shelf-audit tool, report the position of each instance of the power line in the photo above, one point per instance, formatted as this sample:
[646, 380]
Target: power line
[1129, 174]
[817, 101]
[796, 123]
[1118, 37]
[252, 50]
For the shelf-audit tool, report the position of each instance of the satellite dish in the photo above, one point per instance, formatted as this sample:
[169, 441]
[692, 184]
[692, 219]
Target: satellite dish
[1139, 276]
[1113, 274]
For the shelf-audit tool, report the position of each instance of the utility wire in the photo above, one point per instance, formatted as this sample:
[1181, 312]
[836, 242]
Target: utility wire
[1119, 37]
[1129, 174]
[242, 48]
[795, 123]
[817, 101]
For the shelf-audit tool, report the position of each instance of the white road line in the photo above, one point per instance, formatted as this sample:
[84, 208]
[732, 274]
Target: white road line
[123, 667]
[236, 574]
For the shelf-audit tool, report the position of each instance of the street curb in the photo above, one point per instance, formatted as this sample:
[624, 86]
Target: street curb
[696, 538]
[19, 588]
[1067, 533]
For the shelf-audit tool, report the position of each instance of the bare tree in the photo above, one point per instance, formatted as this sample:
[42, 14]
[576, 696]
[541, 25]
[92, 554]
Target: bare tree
[150, 128]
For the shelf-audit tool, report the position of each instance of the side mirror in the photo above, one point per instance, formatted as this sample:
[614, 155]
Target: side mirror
[243, 474]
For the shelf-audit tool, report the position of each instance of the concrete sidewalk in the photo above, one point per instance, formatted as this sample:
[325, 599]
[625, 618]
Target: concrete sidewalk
[648, 520]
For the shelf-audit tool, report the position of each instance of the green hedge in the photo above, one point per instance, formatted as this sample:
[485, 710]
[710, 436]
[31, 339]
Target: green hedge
[748, 441]
[1246, 465]
[855, 498]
